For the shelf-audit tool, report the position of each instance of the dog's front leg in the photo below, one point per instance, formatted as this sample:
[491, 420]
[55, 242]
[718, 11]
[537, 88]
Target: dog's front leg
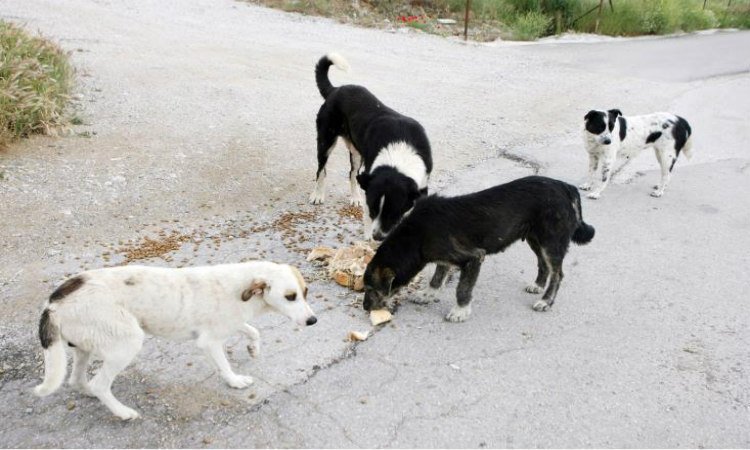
[608, 164]
[355, 160]
[215, 351]
[593, 164]
[367, 220]
[430, 293]
[252, 335]
[469, 274]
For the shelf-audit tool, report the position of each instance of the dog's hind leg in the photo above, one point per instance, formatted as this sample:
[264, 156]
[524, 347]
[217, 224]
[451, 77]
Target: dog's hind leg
[664, 162]
[556, 276]
[115, 360]
[327, 137]
[215, 351]
[252, 335]
[77, 378]
[469, 274]
[542, 268]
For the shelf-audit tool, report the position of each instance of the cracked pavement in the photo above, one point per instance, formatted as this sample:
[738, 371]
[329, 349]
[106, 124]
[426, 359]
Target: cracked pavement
[201, 117]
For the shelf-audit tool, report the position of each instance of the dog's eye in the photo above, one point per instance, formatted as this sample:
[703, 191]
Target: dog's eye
[291, 297]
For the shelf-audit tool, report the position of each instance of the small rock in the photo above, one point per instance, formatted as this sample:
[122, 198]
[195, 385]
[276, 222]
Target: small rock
[71, 405]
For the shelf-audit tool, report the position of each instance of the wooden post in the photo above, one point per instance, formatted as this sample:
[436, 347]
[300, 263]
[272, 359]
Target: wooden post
[598, 16]
[558, 22]
[466, 20]
[704, 4]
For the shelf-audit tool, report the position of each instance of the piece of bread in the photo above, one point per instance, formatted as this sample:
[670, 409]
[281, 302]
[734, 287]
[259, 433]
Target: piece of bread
[358, 336]
[379, 316]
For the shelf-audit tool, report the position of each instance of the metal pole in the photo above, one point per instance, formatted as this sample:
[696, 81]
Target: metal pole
[466, 20]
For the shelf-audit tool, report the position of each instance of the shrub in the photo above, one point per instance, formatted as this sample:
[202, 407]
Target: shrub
[35, 80]
[531, 25]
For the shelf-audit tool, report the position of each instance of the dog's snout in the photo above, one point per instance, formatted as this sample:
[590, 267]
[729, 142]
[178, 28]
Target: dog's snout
[607, 141]
[378, 236]
[312, 320]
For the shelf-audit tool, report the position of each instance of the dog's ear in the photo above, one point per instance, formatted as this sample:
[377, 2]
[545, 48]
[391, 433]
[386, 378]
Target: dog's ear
[364, 180]
[589, 115]
[256, 288]
[612, 117]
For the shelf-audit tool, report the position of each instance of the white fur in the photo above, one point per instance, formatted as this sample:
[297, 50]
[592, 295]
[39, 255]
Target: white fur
[402, 157]
[541, 305]
[108, 316]
[459, 313]
[533, 288]
[375, 226]
[339, 61]
[603, 157]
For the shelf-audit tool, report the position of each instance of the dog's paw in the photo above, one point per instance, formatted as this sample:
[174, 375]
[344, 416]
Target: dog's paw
[584, 186]
[593, 195]
[541, 305]
[534, 288]
[657, 193]
[316, 198]
[240, 381]
[421, 298]
[458, 314]
[254, 349]
[126, 413]
[83, 389]
[355, 201]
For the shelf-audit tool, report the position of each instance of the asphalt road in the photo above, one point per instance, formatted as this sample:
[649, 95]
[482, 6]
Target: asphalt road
[201, 121]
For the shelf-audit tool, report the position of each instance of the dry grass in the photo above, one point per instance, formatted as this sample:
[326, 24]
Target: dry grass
[35, 82]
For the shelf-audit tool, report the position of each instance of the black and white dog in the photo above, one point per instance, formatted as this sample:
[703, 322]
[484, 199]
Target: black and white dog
[460, 231]
[608, 135]
[389, 153]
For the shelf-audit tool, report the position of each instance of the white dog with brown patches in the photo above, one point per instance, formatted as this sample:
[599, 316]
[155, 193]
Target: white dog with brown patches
[105, 313]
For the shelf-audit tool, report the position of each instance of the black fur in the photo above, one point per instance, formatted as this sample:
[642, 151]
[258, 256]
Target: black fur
[47, 330]
[460, 230]
[67, 288]
[623, 128]
[595, 122]
[355, 114]
[681, 133]
[653, 137]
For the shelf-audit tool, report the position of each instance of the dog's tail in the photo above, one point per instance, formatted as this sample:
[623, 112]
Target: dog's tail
[55, 362]
[321, 71]
[584, 233]
[682, 134]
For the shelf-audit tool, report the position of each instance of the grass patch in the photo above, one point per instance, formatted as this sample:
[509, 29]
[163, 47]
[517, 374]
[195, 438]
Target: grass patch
[531, 26]
[531, 19]
[35, 82]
